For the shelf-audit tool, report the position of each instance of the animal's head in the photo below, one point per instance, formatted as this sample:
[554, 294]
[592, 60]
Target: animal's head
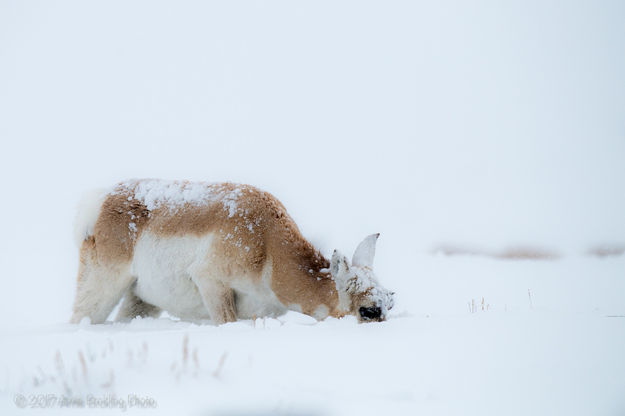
[359, 292]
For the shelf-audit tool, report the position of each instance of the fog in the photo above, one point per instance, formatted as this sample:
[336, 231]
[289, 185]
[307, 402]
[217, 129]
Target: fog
[482, 123]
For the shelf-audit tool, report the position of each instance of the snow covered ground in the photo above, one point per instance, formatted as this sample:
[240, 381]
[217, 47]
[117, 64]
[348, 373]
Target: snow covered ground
[547, 339]
[481, 128]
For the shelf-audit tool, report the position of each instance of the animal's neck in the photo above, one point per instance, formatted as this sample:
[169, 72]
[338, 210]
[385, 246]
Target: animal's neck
[301, 279]
[320, 296]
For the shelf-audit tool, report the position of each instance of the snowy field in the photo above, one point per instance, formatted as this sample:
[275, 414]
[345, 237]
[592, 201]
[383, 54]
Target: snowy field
[485, 141]
[557, 349]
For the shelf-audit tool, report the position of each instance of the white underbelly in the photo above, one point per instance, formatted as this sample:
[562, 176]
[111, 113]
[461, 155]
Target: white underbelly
[162, 264]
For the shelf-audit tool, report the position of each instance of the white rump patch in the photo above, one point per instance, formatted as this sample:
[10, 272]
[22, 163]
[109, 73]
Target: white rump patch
[87, 214]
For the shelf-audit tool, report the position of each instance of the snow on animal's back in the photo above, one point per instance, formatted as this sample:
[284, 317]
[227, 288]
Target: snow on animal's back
[238, 216]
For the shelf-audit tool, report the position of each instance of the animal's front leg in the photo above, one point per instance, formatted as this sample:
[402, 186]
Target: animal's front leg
[218, 299]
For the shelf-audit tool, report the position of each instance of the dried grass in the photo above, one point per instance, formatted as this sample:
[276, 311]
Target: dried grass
[510, 253]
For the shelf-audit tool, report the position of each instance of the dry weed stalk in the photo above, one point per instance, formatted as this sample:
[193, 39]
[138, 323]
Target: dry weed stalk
[196, 362]
[60, 369]
[185, 350]
[220, 365]
[473, 307]
[83, 364]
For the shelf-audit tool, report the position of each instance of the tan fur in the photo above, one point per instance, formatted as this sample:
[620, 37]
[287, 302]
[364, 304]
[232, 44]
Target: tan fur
[240, 248]
[89, 300]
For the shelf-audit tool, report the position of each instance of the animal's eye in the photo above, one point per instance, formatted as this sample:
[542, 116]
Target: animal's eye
[370, 313]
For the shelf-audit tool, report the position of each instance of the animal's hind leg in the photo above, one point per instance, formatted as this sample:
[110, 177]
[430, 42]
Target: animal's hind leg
[99, 287]
[132, 306]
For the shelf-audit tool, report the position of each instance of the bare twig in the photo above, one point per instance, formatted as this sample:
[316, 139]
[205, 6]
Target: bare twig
[185, 350]
[83, 364]
[220, 365]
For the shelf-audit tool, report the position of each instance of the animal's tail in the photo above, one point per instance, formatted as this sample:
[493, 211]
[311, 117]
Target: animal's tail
[87, 214]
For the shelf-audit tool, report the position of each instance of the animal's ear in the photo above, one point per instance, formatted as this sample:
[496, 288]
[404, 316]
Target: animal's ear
[338, 265]
[363, 256]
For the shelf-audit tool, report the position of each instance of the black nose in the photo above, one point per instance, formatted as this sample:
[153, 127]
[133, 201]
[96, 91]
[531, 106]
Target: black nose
[370, 313]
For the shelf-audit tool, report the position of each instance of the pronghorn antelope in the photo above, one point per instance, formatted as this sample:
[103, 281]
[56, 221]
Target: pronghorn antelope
[211, 250]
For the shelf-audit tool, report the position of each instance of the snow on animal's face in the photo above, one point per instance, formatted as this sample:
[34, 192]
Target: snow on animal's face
[359, 291]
